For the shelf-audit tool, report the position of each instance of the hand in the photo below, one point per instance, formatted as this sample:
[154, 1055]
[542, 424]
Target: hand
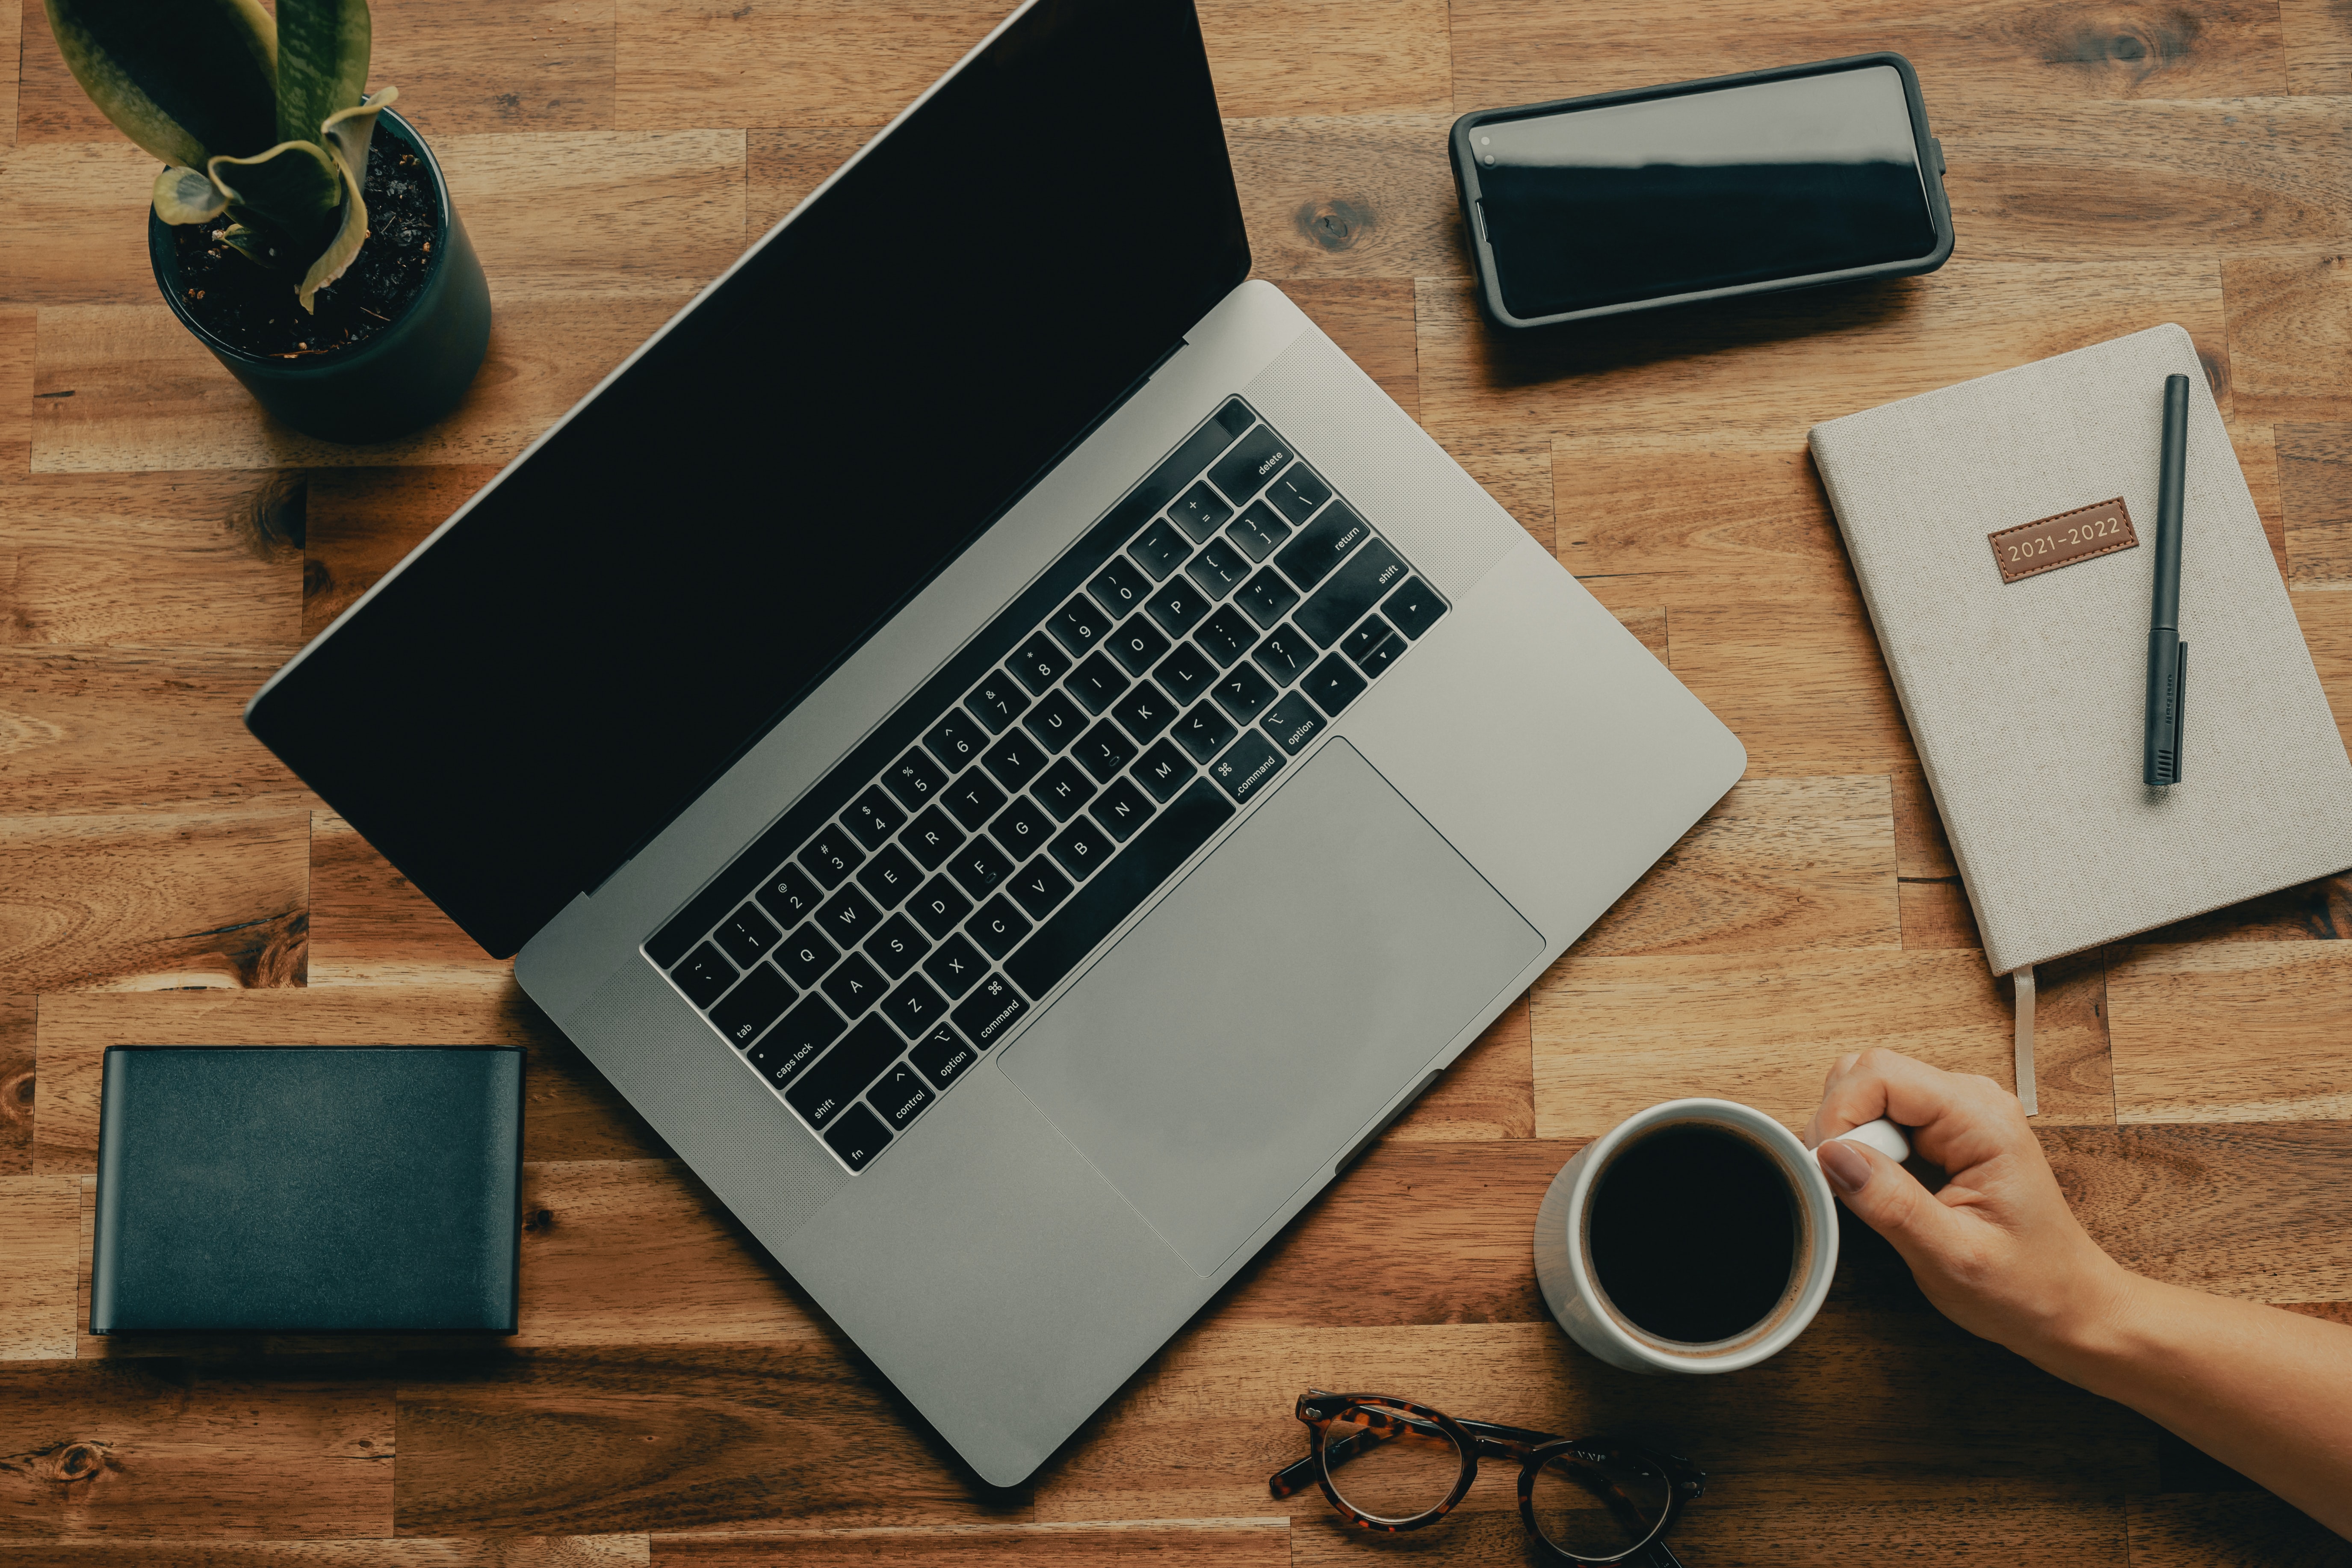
[1997, 1249]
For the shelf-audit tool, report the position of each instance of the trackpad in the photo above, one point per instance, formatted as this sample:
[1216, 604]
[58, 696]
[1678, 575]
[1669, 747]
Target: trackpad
[1217, 1057]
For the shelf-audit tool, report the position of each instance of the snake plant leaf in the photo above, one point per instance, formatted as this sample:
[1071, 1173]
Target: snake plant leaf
[188, 195]
[295, 188]
[348, 132]
[323, 63]
[186, 81]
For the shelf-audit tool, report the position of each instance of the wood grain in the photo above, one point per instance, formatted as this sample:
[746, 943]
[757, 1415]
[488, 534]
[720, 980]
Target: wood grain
[18, 328]
[2327, 620]
[782, 166]
[20, 1083]
[11, 29]
[541, 64]
[93, 729]
[413, 1552]
[2287, 316]
[2244, 1031]
[40, 1236]
[1488, 1092]
[2315, 470]
[791, 62]
[1801, 683]
[1335, 57]
[1348, 196]
[1641, 524]
[1172, 1542]
[1516, 471]
[369, 922]
[1371, 320]
[82, 234]
[2230, 1529]
[2318, 38]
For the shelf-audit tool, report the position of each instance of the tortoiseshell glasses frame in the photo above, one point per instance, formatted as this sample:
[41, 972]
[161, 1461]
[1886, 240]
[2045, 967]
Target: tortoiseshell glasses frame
[1601, 1465]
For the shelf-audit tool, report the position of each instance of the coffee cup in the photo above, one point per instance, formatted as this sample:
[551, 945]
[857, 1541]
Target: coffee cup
[1696, 1236]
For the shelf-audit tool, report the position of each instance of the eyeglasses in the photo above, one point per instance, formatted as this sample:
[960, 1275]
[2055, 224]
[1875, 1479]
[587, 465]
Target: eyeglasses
[1588, 1499]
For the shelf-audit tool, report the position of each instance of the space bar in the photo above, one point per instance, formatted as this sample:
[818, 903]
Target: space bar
[1182, 825]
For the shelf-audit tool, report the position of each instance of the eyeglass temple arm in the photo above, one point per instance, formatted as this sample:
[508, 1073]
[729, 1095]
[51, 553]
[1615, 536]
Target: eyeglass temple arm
[1299, 1475]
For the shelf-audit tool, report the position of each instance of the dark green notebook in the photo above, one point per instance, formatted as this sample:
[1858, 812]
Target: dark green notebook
[347, 1189]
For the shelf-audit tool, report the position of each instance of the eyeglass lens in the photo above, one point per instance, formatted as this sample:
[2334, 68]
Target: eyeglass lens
[1590, 1513]
[1386, 1469]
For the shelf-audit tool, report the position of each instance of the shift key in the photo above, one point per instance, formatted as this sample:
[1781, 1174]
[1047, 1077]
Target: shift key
[1351, 593]
[827, 1088]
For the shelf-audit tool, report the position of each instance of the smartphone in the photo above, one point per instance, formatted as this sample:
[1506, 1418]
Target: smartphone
[1700, 190]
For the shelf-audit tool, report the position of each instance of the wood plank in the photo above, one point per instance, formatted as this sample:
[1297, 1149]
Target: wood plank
[413, 1552]
[2005, 51]
[93, 729]
[669, 1438]
[363, 522]
[1487, 1094]
[2230, 1529]
[1171, 1542]
[2237, 1031]
[1800, 682]
[40, 1236]
[152, 1446]
[1719, 376]
[145, 395]
[1613, 1035]
[1335, 57]
[12, 20]
[794, 62]
[157, 900]
[2256, 446]
[17, 332]
[1371, 320]
[1778, 865]
[782, 166]
[541, 64]
[2290, 324]
[369, 922]
[2315, 473]
[2327, 620]
[1366, 195]
[1648, 624]
[50, 105]
[2318, 37]
[82, 239]
[570, 1112]
[18, 1082]
[1516, 469]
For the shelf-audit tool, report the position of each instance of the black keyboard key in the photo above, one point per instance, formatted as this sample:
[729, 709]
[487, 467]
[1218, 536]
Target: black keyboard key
[1120, 588]
[1413, 607]
[1096, 683]
[704, 975]
[1218, 569]
[1298, 491]
[1259, 530]
[1161, 549]
[791, 1045]
[900, 1097]
[1150, 860]
[998, 927]
[1138, 644]
[914, 779]
[1292, 721]
[1243, 770]
[1064, 789]
[898, 946]
[790, 896]
[827, 1086]
[1082, 848]
[1145, 711]
[1334, 685]
[989, 1012]
[979, 866]
[1352, 590]
[746, 1011]
[854, 985]
[997, 702]
[1104, 751]
[1368, 635]
[930, 838]
[1204, 731]
[1284, 656]
[1120, 810]
[1256, 458]
[1014, 759]
[914, 1008]
[873, 818]
[1242, 692]
[955, 965]
[942, 1055]
[1199, 512]
[1178, 607]
[832, 856]
[846, 917]
[956, 740]
[1176, 471]
[806, 954]
[1079, 624]
[1267, 597]
[857, 1137]
[974, 798]
[940, 908]
[1322, 545]
[889, 877]
[1037, 888]
[1164, 770]
[747, 935]
[1039, 662]
[1186, 674]
[1022, 827]
[1054, 723]
[1226, 636]
[1375, 664]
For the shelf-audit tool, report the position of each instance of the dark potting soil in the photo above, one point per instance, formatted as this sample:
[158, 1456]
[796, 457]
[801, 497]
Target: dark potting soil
[255, 309]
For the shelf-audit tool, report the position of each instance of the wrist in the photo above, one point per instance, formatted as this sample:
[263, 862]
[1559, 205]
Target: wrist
[2097, 1328]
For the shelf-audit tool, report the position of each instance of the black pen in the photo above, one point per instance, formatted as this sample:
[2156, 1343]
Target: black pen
[2168, 656]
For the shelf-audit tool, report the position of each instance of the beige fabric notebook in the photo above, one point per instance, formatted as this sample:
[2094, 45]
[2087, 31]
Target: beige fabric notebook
[2025, 687]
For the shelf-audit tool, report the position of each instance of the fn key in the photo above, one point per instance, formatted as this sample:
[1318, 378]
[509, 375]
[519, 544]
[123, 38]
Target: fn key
[857, 1136]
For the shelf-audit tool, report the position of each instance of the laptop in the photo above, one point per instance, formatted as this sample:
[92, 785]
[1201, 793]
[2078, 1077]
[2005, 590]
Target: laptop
[1007, 748]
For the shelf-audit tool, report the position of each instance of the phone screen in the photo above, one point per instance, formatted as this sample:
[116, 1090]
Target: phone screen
[1703, 190]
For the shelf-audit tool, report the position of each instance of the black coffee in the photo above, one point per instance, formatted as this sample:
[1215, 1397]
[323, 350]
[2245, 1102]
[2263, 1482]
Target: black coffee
[1693, 1232]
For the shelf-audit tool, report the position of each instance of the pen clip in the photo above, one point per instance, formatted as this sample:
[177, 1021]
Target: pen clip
[2180, 710]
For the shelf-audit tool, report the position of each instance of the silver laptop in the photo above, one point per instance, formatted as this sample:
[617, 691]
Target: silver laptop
[1012, 752]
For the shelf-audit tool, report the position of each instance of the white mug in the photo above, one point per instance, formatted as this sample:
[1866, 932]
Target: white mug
[1564, 1256]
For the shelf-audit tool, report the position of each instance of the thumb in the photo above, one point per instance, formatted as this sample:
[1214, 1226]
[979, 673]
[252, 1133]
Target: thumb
[1889, 1199]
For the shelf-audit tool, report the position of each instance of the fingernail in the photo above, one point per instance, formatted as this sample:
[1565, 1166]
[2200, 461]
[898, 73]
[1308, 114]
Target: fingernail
[1847, 1167]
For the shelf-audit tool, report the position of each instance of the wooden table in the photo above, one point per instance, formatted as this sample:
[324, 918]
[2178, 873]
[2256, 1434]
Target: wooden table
[672, 1395]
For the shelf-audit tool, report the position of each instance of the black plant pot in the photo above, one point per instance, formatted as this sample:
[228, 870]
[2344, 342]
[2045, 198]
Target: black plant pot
[405, 376]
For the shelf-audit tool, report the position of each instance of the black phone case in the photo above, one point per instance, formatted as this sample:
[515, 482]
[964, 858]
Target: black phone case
[1467, 189]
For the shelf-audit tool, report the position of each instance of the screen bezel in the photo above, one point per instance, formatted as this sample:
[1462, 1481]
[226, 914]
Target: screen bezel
[1470, 194]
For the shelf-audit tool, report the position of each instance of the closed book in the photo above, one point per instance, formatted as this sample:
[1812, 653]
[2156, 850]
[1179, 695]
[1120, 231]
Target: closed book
[1986, 524]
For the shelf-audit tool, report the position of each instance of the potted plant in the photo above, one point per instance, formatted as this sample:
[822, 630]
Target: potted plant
[300, 229]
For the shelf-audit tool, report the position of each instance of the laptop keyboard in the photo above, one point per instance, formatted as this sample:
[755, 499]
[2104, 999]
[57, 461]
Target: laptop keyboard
[909, 912]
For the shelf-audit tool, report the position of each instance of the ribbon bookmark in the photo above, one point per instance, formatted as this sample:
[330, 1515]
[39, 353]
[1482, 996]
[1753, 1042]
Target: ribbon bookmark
[2025, 1095]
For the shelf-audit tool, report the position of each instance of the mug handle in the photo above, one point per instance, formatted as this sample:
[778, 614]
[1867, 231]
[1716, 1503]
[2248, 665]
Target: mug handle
[1882, 1135]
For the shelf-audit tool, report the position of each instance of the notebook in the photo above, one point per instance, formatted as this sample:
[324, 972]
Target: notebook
[2003, 535]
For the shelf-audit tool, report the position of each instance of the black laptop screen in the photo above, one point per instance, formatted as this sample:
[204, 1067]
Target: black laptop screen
[565, 669]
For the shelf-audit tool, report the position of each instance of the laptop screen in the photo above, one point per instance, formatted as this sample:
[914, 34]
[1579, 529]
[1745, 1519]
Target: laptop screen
[569, 666]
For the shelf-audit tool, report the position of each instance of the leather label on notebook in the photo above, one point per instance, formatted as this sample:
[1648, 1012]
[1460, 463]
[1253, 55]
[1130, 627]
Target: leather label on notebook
[2033, 548]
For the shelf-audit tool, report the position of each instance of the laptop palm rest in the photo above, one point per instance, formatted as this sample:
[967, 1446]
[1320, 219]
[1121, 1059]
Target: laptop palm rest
[1217, 1057]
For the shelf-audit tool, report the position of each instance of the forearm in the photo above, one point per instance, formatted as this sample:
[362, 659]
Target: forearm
[2267, 1392]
